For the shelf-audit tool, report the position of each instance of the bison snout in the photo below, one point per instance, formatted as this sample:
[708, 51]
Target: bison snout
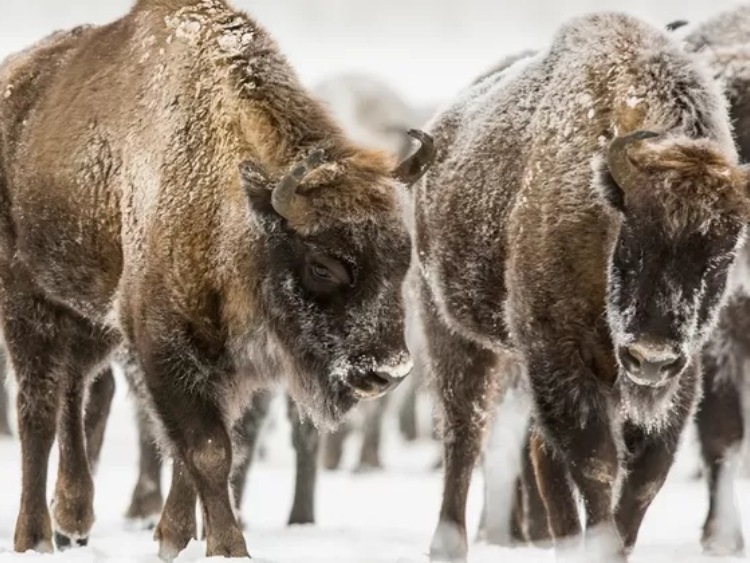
[650, 365]
[373, 384]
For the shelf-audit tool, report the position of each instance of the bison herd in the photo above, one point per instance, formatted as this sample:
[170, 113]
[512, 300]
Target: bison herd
[562, 258]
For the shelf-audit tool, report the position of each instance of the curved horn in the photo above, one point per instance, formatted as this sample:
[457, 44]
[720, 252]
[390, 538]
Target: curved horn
[620, 166]
[672, 26]
[412, 168]
[284, 199]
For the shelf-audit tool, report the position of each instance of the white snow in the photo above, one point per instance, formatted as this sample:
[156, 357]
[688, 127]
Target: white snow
[383, 517]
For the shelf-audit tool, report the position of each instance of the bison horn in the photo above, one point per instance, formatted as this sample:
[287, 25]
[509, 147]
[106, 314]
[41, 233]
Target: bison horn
[413, 168]
[285, 199]
[623, 170]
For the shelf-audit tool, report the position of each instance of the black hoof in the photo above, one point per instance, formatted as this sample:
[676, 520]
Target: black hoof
[301, 520]
[63, 542]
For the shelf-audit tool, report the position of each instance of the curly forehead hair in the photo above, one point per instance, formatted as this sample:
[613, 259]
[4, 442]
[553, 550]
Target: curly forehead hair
[692, 182]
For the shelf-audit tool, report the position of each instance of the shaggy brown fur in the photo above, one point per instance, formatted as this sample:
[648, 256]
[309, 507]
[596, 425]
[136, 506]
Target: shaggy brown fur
[724, 42]
[123, 217]
[602, 283]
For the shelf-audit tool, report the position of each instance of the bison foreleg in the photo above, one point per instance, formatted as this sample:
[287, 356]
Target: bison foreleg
[552, 483]
[146, 500]
[369, 457]
[305, 439]
[650, 455]
[530, 508]
[4, 406]
[721, 430]
[99, 401]
[246, 432]
[177, 525]
[464, 383]
[178, 382]
[571, 412]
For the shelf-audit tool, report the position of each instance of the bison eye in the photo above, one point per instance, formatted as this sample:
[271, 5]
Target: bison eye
[321, 272]
[325, 274]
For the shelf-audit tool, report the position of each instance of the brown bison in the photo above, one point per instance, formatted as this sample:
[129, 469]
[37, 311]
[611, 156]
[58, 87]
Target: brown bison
[375, 116]
[124, 220]
[582, 217]
[724, 42]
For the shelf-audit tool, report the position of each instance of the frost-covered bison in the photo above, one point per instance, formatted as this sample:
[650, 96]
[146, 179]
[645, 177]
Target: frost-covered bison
[582, 216]
[124, 218]
[372, 114]
[724, 42]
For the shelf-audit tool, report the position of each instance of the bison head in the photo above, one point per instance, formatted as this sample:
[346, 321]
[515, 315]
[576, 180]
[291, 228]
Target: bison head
[336, 254]
[682, 208]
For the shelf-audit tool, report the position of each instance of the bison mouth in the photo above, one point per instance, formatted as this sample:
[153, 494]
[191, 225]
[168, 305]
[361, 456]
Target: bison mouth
[372, 384]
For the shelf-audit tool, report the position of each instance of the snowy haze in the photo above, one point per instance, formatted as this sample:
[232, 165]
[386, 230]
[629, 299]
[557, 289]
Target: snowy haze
[427, 49]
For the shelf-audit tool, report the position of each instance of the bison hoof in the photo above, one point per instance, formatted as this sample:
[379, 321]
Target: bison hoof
[301, 518]
[63, 541]
[168, 551]
[229, 547]
[38, 545]
[724, 545]
[367, 467]
[449, 544]
[146, 509]
[172, 542]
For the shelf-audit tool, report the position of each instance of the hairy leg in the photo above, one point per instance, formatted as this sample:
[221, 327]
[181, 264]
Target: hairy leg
[553, 484]
[4, 404]
[146, 500]
[186, 407]
[369, 457]
[98, 404]
[572, 414]
[177, 525]
[502, 465]
[721, 432]
[650, 456]
[407, 413]
[333, 446]
[246, 432]
[535, 521]
[305, 438]
[53, 353]
[462, 374]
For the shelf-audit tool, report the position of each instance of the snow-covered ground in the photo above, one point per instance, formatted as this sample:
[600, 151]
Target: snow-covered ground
[383, 517]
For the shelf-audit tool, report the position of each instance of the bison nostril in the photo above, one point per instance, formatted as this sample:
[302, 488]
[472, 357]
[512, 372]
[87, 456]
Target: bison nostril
[373, 384]
[630, 359]
[673, 366]
[380, 380]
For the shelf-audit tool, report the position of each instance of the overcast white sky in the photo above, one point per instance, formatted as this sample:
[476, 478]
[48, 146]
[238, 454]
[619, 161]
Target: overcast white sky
[427, 49]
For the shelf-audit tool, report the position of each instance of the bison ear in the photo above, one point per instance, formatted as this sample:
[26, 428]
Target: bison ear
[257, 187]
[606, 186]
[413, 167]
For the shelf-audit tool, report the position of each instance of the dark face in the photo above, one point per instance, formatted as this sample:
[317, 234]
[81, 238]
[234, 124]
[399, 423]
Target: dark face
[334, 302]
[666, 285]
